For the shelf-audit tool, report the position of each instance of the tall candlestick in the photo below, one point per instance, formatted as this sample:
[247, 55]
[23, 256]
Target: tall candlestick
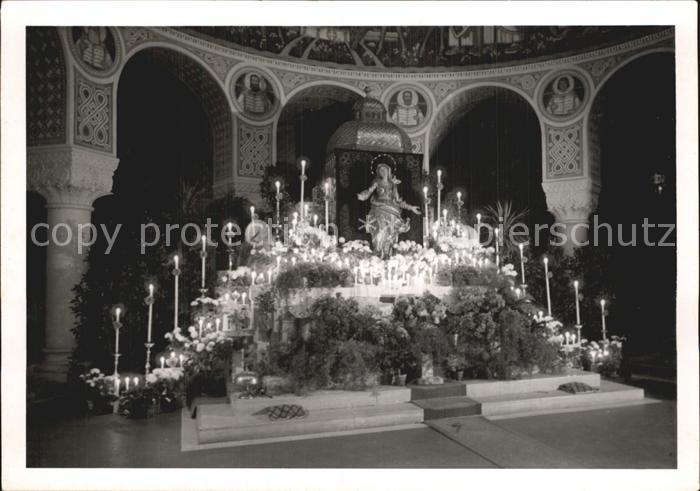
[546, 282]
[302, 178]
[439, 191]
[578, 313]
[326, 187]
[602, 317]
[278, 197]
[150, 301]
[203, 255]
[176, 274]
[522, 264]
[498, 258]
[478, 227]
[426, 221]
[117, 327]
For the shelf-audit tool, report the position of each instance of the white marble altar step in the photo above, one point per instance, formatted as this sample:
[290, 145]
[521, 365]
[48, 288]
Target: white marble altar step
[490, 388]
[611, 394]
[219, 423]
[327, 399]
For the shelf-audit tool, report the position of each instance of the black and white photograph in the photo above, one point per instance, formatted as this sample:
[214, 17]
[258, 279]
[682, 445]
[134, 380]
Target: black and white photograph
[233, 246]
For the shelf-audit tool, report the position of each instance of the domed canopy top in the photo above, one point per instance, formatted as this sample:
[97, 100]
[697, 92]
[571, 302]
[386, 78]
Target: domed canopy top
[370, 131]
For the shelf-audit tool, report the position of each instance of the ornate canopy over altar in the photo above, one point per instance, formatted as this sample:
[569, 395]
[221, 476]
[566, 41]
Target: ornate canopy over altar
[350, 153]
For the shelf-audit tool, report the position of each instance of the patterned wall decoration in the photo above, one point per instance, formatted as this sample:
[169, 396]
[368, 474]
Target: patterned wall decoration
[564, 151]
[442, 89]
[133, 36]
[254, 149]
[418, 144]
[46, 87]
[221, 65]
[93, 114]
[526, 82]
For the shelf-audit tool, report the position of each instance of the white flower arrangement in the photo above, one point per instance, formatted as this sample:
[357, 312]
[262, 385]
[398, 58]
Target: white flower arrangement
[509, 270]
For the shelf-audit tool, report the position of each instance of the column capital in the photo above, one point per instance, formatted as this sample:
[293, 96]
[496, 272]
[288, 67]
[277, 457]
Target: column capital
[69, 175]
[571, 200]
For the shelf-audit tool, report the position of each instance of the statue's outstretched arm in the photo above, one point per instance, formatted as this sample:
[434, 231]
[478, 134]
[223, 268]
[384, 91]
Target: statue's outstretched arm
[367, 193]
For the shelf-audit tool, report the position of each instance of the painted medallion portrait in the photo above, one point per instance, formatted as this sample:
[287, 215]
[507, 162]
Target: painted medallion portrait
[254, 94]
[408, 108]
[94, 47]
[563, 96]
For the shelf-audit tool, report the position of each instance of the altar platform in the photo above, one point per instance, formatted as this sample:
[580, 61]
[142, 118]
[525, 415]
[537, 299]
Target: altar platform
[239, 422]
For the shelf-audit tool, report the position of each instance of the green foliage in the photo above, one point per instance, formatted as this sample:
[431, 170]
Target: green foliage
[312, 275]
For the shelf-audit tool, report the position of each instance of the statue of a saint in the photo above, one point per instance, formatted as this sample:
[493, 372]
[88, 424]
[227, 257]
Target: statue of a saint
[384, 221]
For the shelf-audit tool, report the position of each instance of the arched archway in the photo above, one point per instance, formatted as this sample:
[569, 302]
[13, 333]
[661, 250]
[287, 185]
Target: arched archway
[305, 125]
[487, 141]
[632, 126]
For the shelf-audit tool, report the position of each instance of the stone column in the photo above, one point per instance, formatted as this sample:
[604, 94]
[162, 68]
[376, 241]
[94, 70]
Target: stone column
[572, 202]
[70, 179]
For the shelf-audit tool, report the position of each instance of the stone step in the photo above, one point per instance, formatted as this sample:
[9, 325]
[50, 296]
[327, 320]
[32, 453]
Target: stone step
[523, 404]
[218, 423]
[490, 388]
[448, 389]
[327, 399]
[448, 407]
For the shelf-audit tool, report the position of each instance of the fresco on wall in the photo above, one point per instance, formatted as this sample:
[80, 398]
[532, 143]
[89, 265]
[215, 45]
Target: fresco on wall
[254, 94]
[563, 96]
[408, 108]
[94, 47]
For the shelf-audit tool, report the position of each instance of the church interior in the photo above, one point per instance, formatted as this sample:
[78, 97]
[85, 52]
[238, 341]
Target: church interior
[434, 226]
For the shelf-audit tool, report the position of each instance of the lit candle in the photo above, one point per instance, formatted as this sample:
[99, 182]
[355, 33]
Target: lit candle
[546, 283]
[315, 220]
[252, 213]
[269, 276]
[444, 216]
[522, 264]
[201, 324]
[118, 313]
[217, 321]
[162, 362]
[126, 383]
[426, 222]
[279, 259]
[136, 382]
[150, 311]
[204, 260]
[116, 385]
[602, 316]
[181, 360]
[578, 313]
